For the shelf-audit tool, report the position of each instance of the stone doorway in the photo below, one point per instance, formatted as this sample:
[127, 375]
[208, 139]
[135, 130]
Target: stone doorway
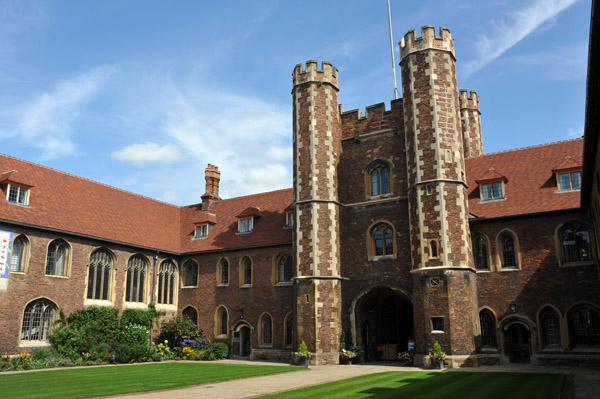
[241, 345]
[518, 339]
[384, 324]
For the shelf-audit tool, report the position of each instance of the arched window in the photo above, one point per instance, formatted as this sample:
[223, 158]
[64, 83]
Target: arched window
[100, 275]
[433, 249]
[488, 329]
[18, 257]
[550, 327]
[584, 324]
[167, 288]
[508, 250]
[285, 266]
[136, 279]
[37, 320]
[266, 325]
[191, 314]
[190, 270]
[382, 238]
[246, 271]
[56, 261]
[380, 180]
[480, 252]
[223, 272]
[221, 322]
[575, 241]
[289, 330]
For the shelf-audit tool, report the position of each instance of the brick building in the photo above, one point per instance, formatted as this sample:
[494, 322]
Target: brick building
[398, 230]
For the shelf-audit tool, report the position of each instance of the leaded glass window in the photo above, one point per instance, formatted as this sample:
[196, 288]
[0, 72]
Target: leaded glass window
[488, 328]
[480, 253]
[100, 275]
[247, 270]
[267, 336]
[136, 279]
[284, 268]
[56, 261]
[576, 243]
[382, 236]
[166, 282]
[550, 328]
[380, 181]
[509, 256]
[37, 320]
[584, 323]
[17, 258]
[190, 269]
[223, 272]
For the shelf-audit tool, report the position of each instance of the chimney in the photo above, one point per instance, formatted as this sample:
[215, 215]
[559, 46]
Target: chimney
[212, 177]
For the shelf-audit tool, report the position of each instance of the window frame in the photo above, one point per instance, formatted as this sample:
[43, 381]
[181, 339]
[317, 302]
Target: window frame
[220, 312]
[562, 254]
[245, 225]
[544, 330]
[20, 191]
[433, 321]
[501, 251]
[190, 307]
[573, 334]
[491, 184]
[201, 231]
[278, 269]
[220, 273]
[66, 263]
[289, 220]
[287, 330]
[372, 247]
[263, 331]
[139, 270]
[380, 166]
[489, 339]
[107, 262]
[44, 324]
[186, 279]
[23, 258]
[246, 265]
[168, 287]
[475, 247]
[570, 173]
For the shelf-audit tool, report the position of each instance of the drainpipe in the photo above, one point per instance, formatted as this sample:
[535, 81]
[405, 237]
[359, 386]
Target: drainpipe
[152, 291]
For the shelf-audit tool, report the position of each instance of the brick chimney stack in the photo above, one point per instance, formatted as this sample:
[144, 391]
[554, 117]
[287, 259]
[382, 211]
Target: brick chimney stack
[212, 177]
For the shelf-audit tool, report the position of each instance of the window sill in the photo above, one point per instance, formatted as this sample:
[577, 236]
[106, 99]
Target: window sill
[17, 204]
[189, 286]
[246, 286]
[437, 332]
[243, 232]
[492, 200]
[483, 271]
[583, 349]
[287, 227]
[34, 344]
[97, 302]
[510, 269]
[18, 273]
[283, 284]
[489, 350]
[55, 276]
[382, 257]
[380, 196]
[222, 285]
[566, 191]
[164, 306]
[199, 238]
[221, 336]
[552, 349]
[266, 346]
[136, 305]
[580, 263]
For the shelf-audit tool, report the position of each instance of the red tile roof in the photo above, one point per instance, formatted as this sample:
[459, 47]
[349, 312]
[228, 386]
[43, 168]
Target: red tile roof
[69, 203]
[531, 185]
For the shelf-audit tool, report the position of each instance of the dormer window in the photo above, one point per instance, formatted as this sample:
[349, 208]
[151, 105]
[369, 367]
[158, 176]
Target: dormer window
[289, 219]
[201, 231]
[245, 225]
[492, 191]
[569, 181]
[17, 195]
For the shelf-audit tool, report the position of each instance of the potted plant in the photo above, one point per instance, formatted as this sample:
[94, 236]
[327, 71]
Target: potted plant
[303, 355]
[437, 355]
[406, 357]
[346, 356]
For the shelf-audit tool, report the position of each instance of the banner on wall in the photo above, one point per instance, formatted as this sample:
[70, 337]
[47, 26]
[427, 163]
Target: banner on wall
[6, 241]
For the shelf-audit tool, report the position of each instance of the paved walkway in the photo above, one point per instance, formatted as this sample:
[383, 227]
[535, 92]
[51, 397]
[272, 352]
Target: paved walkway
[581, 383]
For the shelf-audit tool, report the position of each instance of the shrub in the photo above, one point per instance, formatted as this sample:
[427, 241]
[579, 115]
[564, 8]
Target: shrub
[139, 317]
[105, 320]
[177, 329]
[133, 334]
[221, 350]
[128, 353]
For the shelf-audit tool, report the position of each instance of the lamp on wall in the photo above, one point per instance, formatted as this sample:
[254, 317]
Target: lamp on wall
[513, 306]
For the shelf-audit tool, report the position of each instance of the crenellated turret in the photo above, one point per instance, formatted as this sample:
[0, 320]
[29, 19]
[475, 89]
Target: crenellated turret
[317, 150]
[470, 118]
[445, 291]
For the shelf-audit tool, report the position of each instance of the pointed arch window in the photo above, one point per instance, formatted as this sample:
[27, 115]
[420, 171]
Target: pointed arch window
[380, 180]
[266, 335]
[221, 322]
[289, 330]
[246, 270]
[509, 250]
[285, 266]
[37, 320]
[57, 258]
[550, 328]
[190, 270]
[18, 257]
[584, 325]
[576, 243]
[488, 329]
[480, 252]
[137, 268]
[382, 240]
[100, 275]
[223, 272]
[167, 276]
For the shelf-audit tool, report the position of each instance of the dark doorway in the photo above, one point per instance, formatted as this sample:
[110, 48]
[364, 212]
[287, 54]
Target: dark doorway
[384, 324]
[241, 346]
[518, 343]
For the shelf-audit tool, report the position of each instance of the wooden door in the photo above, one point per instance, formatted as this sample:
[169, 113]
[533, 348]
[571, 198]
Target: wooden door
[519, 346]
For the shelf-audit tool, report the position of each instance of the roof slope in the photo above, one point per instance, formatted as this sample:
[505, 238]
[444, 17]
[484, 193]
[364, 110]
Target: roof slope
[69, 203]
[531, 185]
[268, 226]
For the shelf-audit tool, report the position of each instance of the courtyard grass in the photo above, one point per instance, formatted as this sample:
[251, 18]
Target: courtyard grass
[113, 380]
[422, 385]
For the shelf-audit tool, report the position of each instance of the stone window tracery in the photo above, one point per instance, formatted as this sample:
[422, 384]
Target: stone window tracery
[190, 270]
[584, 326]
[167, 288]
[100, 275]
[575, 241]
[137, 269]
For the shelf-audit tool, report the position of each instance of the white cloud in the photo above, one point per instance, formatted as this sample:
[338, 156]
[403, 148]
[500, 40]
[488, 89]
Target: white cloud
[139, 154]
[520, 24]
[575, 132]
[47, 122]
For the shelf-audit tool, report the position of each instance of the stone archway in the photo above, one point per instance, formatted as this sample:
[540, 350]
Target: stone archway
[241, 342]
[382, 322]
[518, 335]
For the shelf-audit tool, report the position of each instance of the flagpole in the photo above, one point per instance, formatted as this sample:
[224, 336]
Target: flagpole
[392, 49]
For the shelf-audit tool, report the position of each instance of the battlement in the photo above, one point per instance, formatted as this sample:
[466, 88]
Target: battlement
[327, 74]
[468, 100]
[375, 118]
[410, 43]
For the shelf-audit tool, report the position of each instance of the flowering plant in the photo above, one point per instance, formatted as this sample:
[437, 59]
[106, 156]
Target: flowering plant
[348, 354]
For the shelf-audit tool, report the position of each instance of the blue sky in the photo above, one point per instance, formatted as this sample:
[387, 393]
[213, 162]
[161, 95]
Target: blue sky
[142, 95]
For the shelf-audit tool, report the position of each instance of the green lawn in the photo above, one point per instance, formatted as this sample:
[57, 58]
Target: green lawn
[113, 380]
[420, 385]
